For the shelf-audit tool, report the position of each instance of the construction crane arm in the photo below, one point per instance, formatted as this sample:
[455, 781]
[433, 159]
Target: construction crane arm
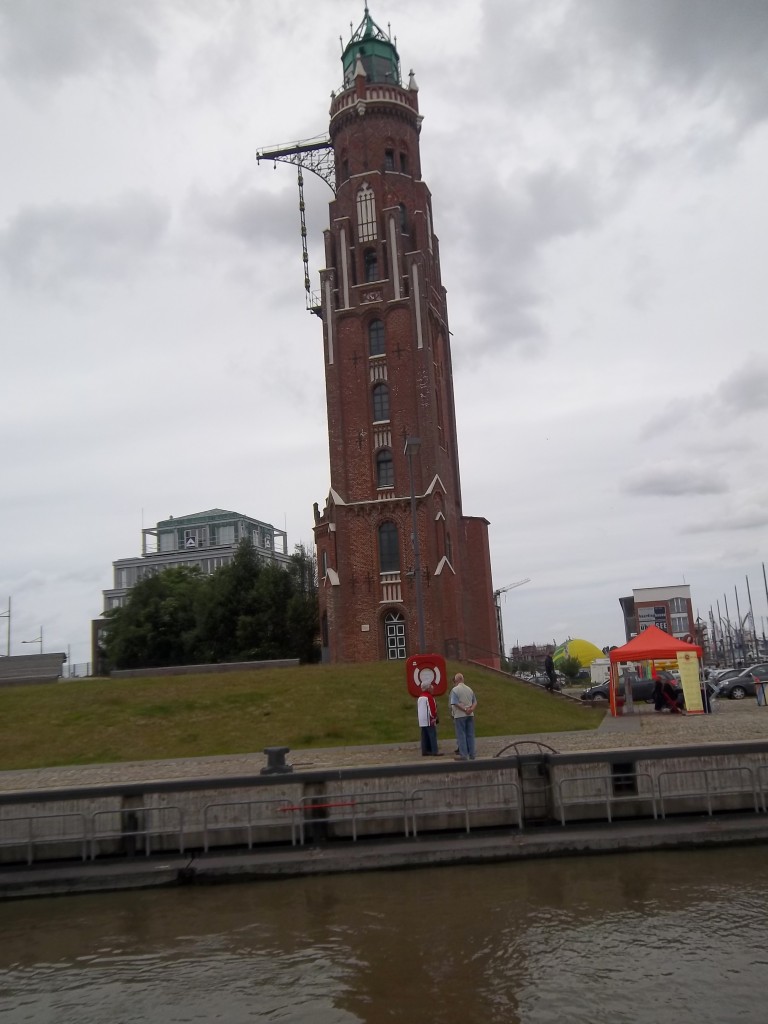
[518, 583]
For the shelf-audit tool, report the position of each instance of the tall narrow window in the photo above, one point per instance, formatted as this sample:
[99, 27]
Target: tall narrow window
[403, 219]
[376, 338]
[366, 214]
[381, 402]
[404, 163]
[429, 228]
[389, 159]
[385, 470]
[389, 548]
[371, 265]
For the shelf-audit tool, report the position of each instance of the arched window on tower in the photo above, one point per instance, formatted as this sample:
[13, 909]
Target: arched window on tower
[380, 403]
[371, 265]
[389, 548]
[403, 219]
[376, 338]
[385, 468]
[342, 172]
[366, 214]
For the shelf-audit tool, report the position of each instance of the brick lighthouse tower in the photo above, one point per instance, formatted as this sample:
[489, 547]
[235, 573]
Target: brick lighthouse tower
[401, 569]
[389, 387]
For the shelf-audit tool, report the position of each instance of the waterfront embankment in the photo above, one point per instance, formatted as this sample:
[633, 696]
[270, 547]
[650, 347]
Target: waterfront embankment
[646, 781]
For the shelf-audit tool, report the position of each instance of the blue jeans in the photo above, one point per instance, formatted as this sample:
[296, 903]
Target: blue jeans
[465, 737]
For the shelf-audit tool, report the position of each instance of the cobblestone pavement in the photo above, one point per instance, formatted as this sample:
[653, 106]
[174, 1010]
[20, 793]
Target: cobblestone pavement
[731, 722]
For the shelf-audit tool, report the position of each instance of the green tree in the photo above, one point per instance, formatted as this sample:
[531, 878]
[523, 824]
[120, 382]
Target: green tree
[157, 626]
[570, 667]
[281, 618]
[302, 612]
[249, 610]
[227, 600]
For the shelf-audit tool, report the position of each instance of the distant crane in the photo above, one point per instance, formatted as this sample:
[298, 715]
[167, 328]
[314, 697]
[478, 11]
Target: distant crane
[497, 601]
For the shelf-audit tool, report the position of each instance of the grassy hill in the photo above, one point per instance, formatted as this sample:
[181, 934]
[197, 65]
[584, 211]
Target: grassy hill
[96, 721]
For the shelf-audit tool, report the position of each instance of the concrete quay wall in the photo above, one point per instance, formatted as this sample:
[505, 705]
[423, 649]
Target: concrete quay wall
[370, 816]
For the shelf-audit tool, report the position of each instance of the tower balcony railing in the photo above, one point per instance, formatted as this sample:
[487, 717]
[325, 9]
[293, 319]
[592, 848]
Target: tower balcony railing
[391, 588]
[380, 92]
[382, 436]
[377, 369]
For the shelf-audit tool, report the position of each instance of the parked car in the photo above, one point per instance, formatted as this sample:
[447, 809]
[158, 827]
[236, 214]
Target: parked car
[719, 675]
[542, 679]
[642, 689]
[742, 685]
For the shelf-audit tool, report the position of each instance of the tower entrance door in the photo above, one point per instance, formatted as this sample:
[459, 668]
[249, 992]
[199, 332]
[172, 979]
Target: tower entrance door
[394, 634]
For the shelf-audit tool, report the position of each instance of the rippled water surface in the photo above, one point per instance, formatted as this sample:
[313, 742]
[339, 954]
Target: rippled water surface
[659, 937]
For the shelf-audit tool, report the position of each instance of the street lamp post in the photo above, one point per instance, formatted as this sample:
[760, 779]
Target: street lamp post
[412, 446]
[37, 640]
[7, 615]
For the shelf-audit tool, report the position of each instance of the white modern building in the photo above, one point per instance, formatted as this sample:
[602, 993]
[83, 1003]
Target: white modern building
[207, 540]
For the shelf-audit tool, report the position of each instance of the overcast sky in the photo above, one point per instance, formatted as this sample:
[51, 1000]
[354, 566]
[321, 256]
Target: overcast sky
[598, 171]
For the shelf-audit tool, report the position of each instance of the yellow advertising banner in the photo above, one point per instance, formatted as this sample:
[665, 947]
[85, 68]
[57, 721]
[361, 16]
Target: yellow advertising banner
[688, 667]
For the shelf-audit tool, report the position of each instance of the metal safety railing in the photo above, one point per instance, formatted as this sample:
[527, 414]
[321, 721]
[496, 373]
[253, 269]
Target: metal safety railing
[714, 782]
[605, 794]
[137, 823]
[248, 817]
[353, 809]
[466, 802]
[450, 803]
[34, 830]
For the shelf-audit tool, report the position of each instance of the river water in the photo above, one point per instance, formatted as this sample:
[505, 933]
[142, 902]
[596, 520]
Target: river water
[677, 937]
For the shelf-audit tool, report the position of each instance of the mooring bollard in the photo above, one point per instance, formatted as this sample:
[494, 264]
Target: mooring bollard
[276, 761]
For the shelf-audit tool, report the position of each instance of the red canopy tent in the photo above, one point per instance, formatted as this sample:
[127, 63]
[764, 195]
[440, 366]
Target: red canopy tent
[653, 644]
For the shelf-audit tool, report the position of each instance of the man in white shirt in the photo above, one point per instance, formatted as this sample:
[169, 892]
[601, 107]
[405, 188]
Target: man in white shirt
[463, 703]
[426, 709]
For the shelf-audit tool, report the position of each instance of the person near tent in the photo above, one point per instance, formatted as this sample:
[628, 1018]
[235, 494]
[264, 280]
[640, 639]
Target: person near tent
[665, 695]
[549, 668]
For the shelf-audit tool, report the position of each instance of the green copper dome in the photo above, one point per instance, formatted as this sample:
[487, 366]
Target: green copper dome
[376, 50]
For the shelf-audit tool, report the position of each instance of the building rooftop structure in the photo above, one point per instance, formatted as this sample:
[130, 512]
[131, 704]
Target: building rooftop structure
[206, 540]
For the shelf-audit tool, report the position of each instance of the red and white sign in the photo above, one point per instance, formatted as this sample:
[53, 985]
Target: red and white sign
[426, 673]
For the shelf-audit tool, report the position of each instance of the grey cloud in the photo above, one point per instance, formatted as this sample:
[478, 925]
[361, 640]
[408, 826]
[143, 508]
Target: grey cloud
[713, 47]
[746, 519]
[512, 229]
[252, 218]
[49, 41]
[557, 203]
[530, 50]
[53, 246]
[560, 57]
[746, 390]
[671, 481]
